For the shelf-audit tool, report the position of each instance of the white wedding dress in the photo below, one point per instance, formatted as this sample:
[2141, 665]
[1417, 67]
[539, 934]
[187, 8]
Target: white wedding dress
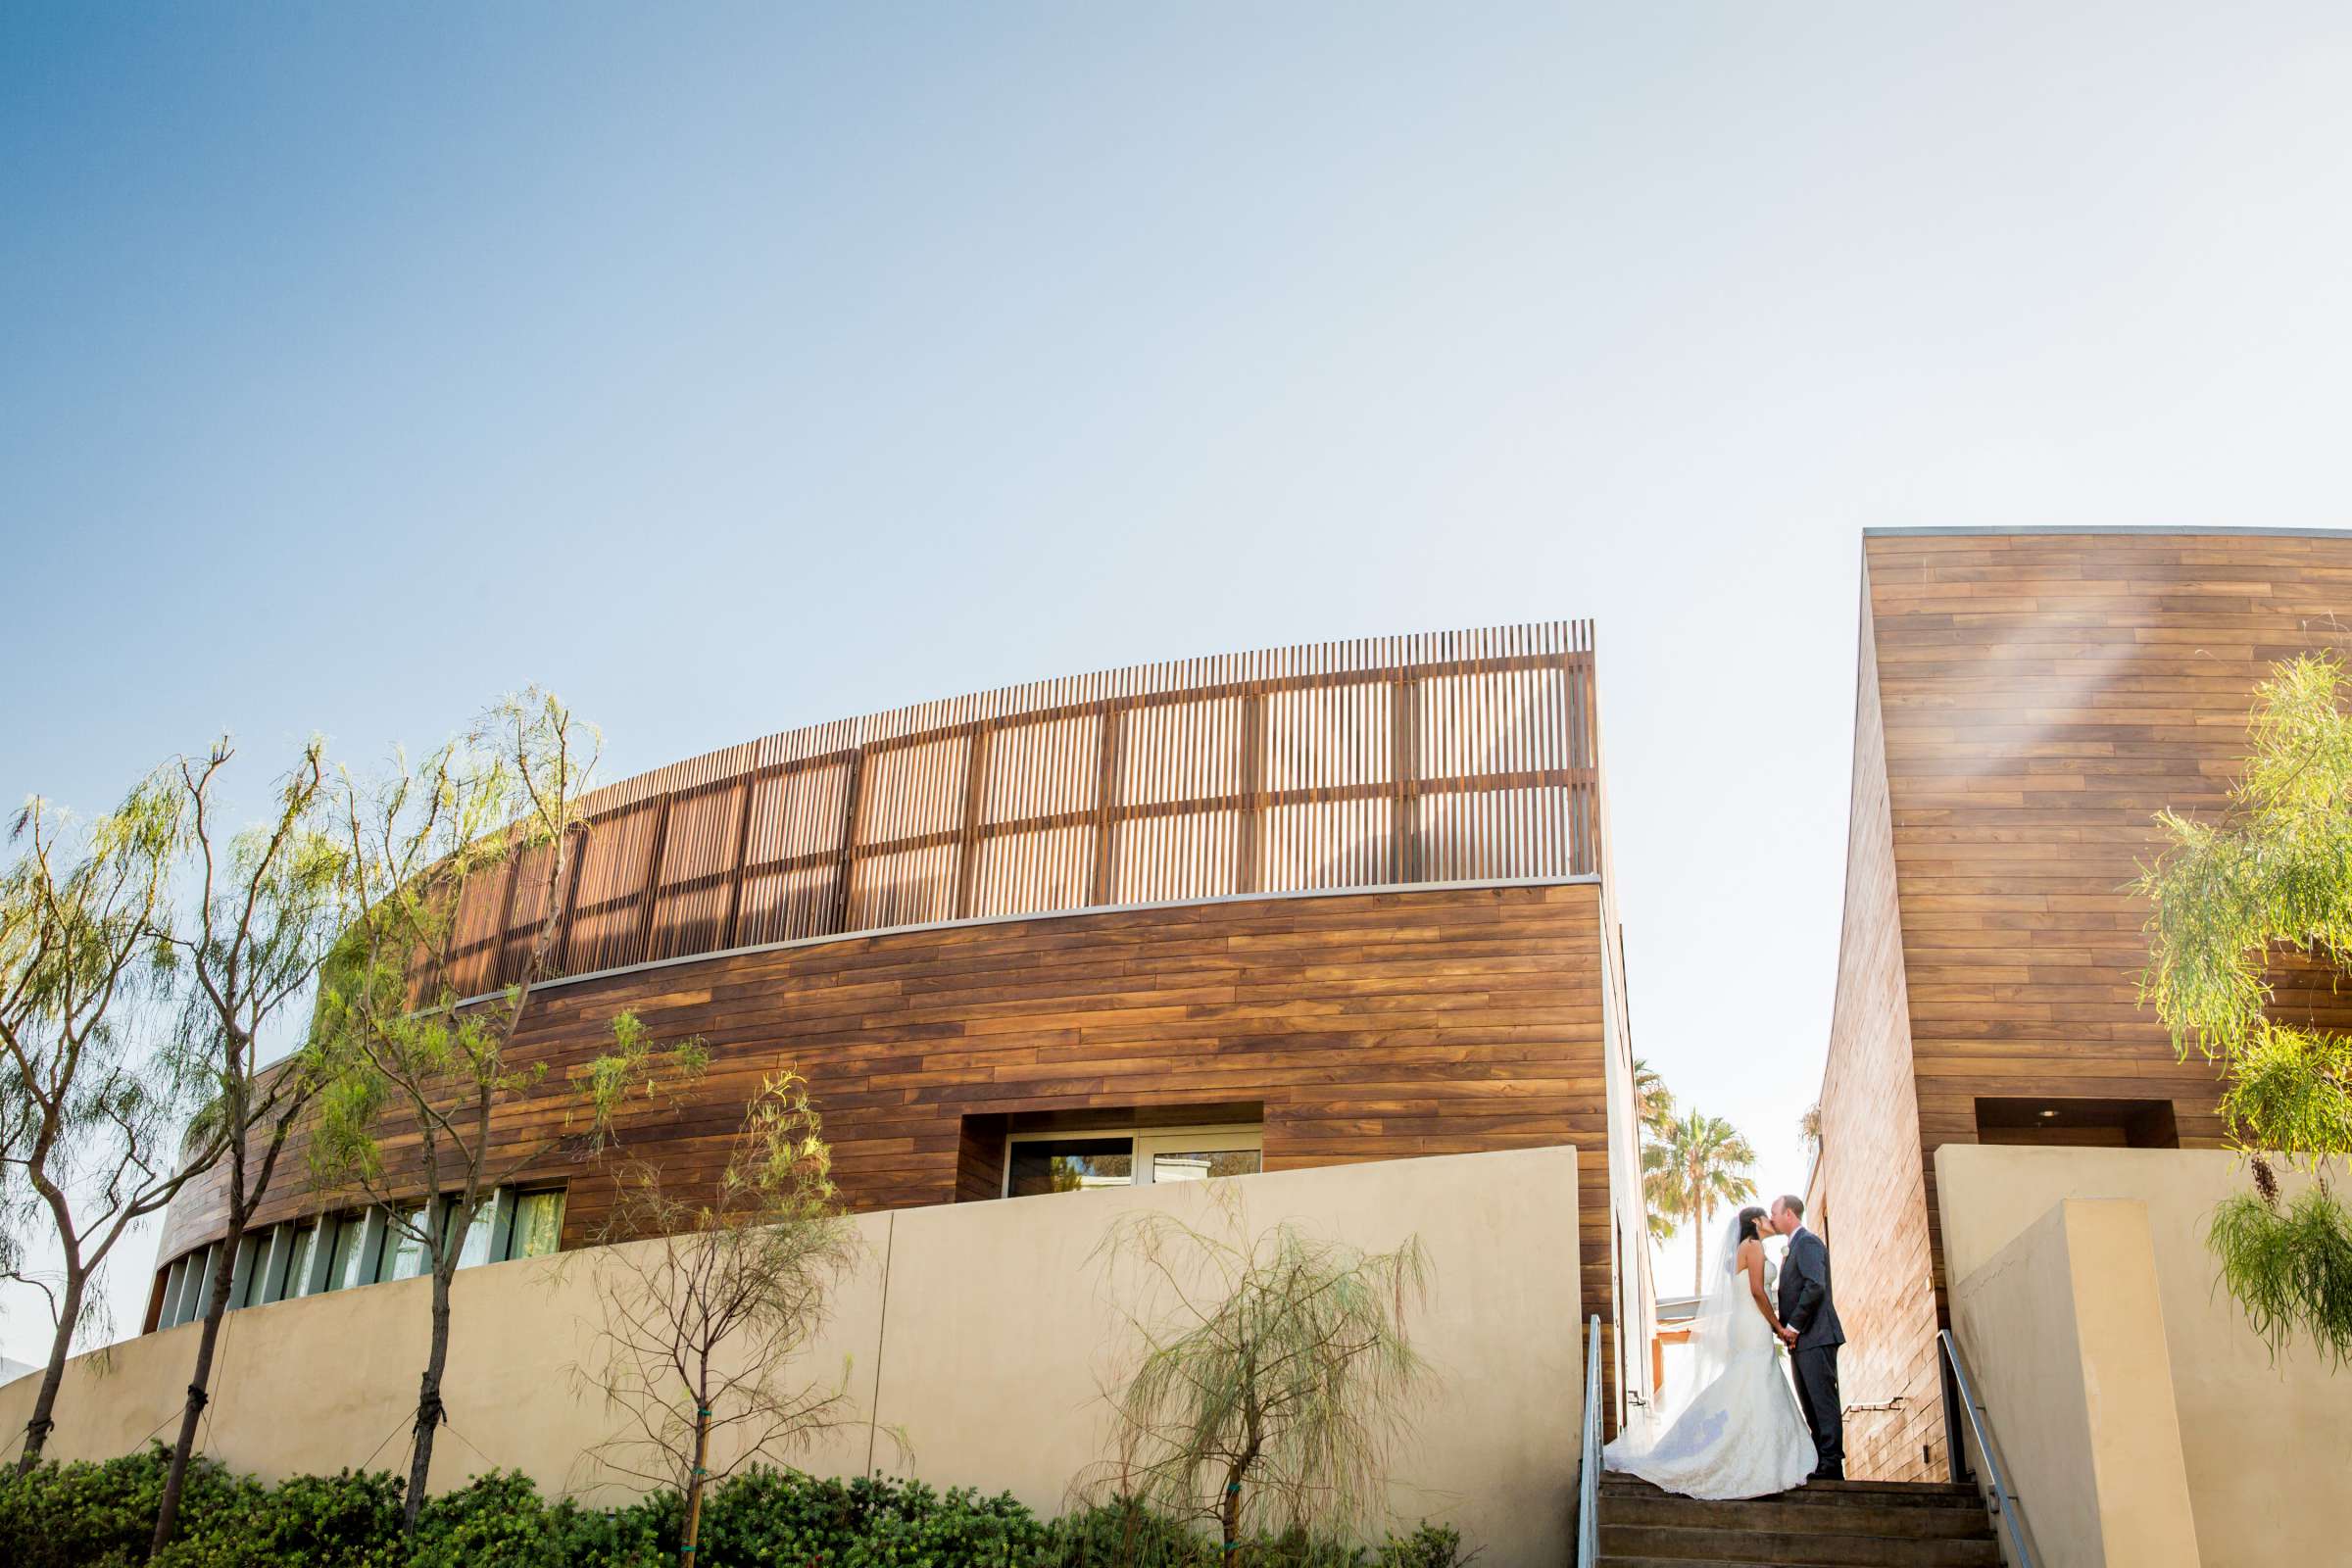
[1737, 1431]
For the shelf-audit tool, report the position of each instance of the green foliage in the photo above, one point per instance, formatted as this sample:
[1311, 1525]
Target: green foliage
[81, 1514]
[1275, 1376]
[1654, 1102]
[90, 1112]
[2227, 898]
[704, 1325]
[500, 1521]
[85, 1515]
[2289, 1268]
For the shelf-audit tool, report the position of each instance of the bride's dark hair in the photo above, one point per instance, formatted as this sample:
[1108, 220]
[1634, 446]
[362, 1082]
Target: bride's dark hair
[1751, 1225]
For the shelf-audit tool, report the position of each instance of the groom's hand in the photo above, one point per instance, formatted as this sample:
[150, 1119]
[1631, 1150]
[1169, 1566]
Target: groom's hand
[1789, 1336]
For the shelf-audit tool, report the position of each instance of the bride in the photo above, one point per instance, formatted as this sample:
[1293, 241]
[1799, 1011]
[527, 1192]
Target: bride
[1740, 1434]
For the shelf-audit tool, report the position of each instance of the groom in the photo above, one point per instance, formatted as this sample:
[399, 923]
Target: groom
[1809, 1327]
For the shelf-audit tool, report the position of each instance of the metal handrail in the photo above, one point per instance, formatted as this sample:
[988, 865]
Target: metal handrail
[2005, 1502]
[1588, 1479]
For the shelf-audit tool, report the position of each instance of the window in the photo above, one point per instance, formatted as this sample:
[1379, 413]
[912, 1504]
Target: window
[284, 1261]
[167, 1315]
[196, 1285]
[249, 1285]
[1069, 1166]
[404, 1247]
[343, 1269]
[1072, 1162]
[298, 1263]
[476, 1246]
[538, 1224]
[1199, 1164]
[2078, 1123]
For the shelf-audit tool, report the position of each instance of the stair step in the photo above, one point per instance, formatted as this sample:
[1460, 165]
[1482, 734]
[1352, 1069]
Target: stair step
[1833, 1494]
[1609, 1560]
[1791, 1547]
[1849, 1516]
[1618, 1560]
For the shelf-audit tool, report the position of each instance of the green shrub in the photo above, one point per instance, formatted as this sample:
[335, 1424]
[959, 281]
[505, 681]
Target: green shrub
[73, 1515]
[349, 1520]
[83, 1516]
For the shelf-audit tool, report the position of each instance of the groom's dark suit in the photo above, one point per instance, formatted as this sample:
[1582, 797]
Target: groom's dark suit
[1807, 1306]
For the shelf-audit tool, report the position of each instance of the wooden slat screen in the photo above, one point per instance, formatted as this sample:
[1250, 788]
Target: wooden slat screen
[1446, 757]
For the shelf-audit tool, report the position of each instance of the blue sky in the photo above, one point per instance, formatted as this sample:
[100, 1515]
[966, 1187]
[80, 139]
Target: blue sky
[731, 368]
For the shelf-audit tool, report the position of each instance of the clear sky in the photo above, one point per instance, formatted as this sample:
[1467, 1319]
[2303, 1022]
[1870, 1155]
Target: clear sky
[731, 368]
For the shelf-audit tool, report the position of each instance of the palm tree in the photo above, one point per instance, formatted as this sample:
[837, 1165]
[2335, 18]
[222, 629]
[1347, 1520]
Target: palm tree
[1653, 1105]
[1654, 1161]
[1701, 1162]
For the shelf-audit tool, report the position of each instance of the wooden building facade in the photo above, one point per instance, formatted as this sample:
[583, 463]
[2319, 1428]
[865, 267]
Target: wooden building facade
[1310, 907]
[2027, 702]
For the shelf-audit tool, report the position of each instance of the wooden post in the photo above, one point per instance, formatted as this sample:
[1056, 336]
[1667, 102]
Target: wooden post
[1404, 724]
[1107, 786]
[1251, 821]
[506, 919]
[561, 959]
[743, 850]
[975, 788]
[852, 815]
[653, 880]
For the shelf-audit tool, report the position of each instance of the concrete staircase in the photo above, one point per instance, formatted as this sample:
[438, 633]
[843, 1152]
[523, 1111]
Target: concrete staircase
[1843, 1524]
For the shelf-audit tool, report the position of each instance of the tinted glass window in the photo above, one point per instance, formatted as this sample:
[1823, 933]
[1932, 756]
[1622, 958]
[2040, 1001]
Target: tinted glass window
[404, 1252]
[538, 1224]
[345, 1270]
[298, 1263]
[1072, 1164]
[476, 1248]
[1194, 1167]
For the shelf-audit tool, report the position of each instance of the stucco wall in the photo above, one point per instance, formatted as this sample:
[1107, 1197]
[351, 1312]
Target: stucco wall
[2064, 1333]
[2266, 1442]
[979, 1332]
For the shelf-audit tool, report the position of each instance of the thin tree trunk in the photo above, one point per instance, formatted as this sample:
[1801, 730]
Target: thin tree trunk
[53, 1376]
[430, 1412]
[1229, 1512]
[694, 1485]
[167, 1516]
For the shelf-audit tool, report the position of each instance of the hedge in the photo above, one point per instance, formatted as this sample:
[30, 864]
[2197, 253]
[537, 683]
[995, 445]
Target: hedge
[84, 1515]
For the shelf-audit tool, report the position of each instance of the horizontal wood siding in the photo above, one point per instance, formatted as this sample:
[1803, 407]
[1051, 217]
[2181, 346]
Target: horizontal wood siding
[1869, 1191]
[2044, 696]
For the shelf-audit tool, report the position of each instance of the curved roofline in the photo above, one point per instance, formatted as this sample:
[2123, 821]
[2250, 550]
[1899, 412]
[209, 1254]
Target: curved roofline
[2028, 531]
[1379, 761]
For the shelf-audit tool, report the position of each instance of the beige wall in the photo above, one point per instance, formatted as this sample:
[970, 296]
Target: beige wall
[979, 1332]
[2065, 1335]
[2266, 1444]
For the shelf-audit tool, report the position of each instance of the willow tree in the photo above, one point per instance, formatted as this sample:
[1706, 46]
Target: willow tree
[1702, 1162]
[263, 913]
[419, 1067]
[92, 1102]
[2230, 898]
[705, 1322]
[1274, 1378]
